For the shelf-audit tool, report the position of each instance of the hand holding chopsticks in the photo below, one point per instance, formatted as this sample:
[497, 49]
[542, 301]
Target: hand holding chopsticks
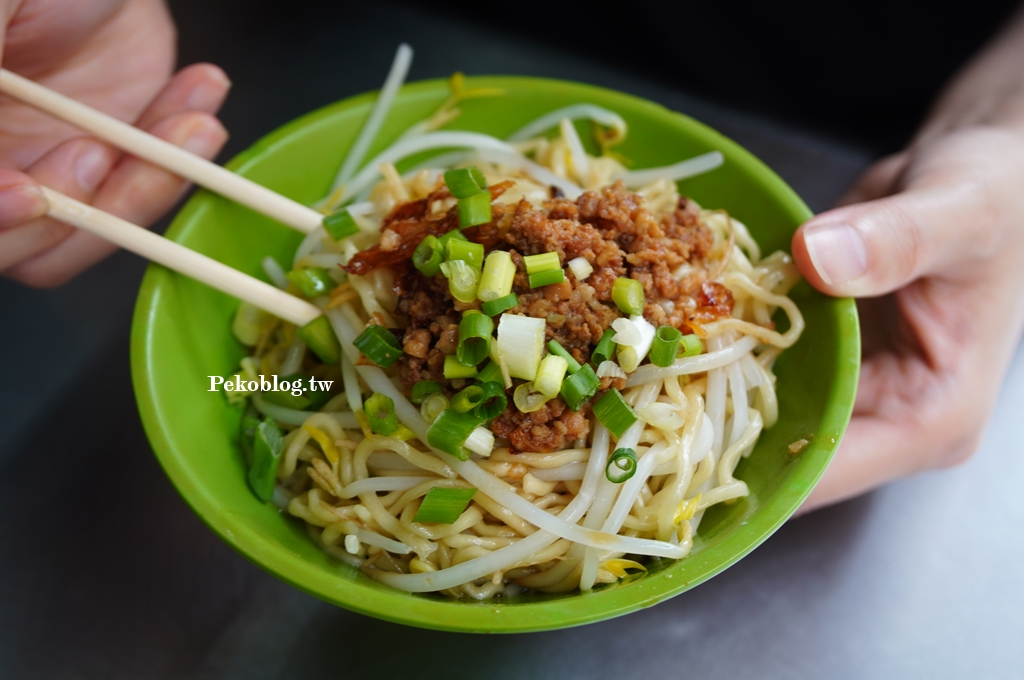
[313, 326]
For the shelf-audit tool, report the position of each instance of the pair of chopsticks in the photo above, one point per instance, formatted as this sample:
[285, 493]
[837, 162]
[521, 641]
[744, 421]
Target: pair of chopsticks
[199, 170]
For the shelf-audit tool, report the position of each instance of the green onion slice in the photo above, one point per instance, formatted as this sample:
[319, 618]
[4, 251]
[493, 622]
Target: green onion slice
[427, 257]
[502, 304]
[266, 456]
[379, 345]
[380, 413]
[665, 345]
[580, 386]
[605, 348]
[490, 373]
[560, 351]
[420, 390]
[465, 182]
[550, 375]
[498, 276]
[462, 279]
[454, 369]
[543, 262]
[614, 413]
[433, 406]
[474, 338]
[340, 224]
[528, 398]
[621, 466]
[312, 281]
[450, 431]
[472, 253]
[454, 234]
[320, 337]
[628, 295]
[443, 506]
[692, 346]
[468, 399]
[475, 210]
[493, 403]
[546, 278]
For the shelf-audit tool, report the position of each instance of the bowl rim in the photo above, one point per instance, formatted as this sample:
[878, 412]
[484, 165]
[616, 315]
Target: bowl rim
[438, 614]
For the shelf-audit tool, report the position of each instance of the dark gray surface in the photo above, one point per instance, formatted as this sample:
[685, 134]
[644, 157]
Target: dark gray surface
[105, 572]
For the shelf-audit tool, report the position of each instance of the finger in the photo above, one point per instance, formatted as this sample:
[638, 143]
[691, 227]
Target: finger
[136, 191]
[75, 168]
[874, 248]
[20, 199]
[200, 87]
[141, 192]
[877, 181]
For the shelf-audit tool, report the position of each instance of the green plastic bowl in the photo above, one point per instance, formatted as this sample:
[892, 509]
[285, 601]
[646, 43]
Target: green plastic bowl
[181, 334]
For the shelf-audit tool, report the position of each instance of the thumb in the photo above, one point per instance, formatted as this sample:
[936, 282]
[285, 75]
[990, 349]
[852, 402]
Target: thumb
[870, 249]
[20, 199]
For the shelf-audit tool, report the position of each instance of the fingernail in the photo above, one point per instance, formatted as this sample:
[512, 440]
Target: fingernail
[91, 166]
[209, 92]
[20, 203]
[836, 251]
[204, 139]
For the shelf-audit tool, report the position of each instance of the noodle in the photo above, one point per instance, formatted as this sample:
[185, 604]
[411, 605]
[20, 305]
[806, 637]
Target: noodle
[548, 518]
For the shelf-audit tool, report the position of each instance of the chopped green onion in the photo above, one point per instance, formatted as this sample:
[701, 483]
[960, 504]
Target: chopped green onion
[421, 390]
[546, 278]
[475, 210]
[560, 351]
[380, 413]
[521, 342]
[621, 466]
[468, 399]
[474, 338]
[580, 386]
[312, 281]
[528, 398]
[247, 431]
[502, 304]
[490, 373]
[614, 413]
[248, 323]
[450, 431]
[266, 456]
[541, 263]
[465, 182]
[472, 253]
[340, 224]
[628, 295]
[433, 406]
[428, 256]
[498, 275]
[462, 279]
[665, 345]
[454, 234]
[493, 403]
[443, 506]
[379, 345]
[639, 335]
[550, 374]
[454, 369]
[580, 268]
[605, 348]
[320, 338]
[692, 346]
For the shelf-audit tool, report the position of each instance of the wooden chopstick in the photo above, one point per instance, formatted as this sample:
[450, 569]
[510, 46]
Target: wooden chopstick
[179, 258]
[163, 154]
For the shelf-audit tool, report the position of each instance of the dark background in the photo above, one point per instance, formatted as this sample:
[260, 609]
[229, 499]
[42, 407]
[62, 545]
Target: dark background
[106, 573]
